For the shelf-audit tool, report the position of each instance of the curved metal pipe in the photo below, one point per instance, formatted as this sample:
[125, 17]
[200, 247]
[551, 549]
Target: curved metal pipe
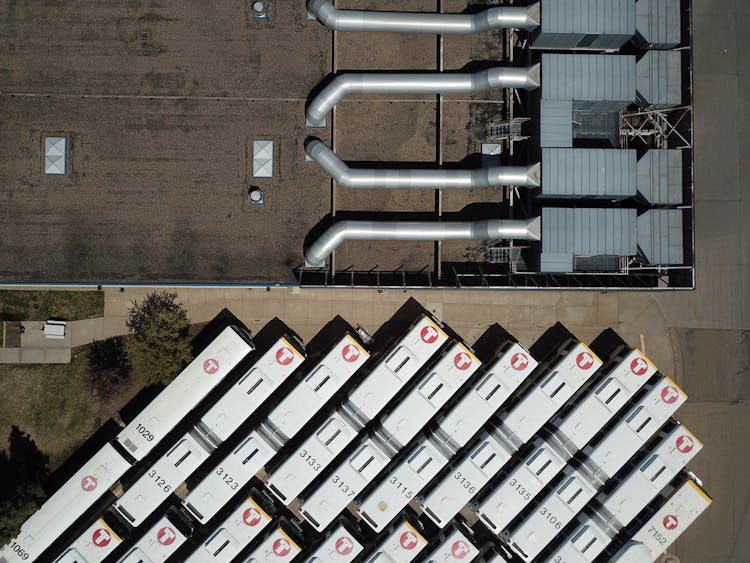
[488, 229]
[410, 22]
[527, 176]
[417, 83]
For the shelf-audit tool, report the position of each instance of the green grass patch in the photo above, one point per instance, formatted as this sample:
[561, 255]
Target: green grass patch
[56, 404]
[41, 305]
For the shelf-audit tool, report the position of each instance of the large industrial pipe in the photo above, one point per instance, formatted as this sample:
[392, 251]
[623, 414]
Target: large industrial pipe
[417, 83]
[528, 176]
[405, 22]
[489, 229]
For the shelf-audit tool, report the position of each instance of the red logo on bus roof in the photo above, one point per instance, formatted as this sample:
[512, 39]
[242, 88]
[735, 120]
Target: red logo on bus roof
[519, 361]
[344, 545]
[211, 366]
[350, 353]
[429, 334]
[669, 394]
[166, 536]
[460, 549]
[408, 540]
[284, 356]
[88, 483]
[584, 360]
[281, 547]
[251, 517]
[670, 522]
[639, 366]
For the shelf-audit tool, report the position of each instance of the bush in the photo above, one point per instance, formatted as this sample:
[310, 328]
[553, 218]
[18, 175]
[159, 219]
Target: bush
[109, 365]
[159, 346]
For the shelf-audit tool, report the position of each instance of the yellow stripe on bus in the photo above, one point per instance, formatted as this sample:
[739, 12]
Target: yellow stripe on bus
[292, 348]
[111, 531]
[290, 540]
[358, 345]
[259, 509]
[415, 532]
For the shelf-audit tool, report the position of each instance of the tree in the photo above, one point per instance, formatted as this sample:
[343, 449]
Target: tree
[109, 365]
[24, 469]
[158, 346]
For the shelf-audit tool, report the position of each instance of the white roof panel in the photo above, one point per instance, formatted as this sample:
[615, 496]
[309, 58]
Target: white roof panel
[55, 156]
[263, 159]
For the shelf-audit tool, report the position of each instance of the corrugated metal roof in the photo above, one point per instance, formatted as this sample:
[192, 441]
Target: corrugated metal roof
[660, 236]
[263, 159]
[556, 123]
[609, 173]
[660, 176]
[594, 82]
[585, 24]
[55, 156]
[659, 79]
[587, 231]
[658, 23]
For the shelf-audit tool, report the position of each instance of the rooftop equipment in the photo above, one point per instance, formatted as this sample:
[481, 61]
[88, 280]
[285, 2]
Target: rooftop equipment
[593, 82]
[659, 79]
[660, 236]
[589, 173]
[489, 229]
[417, 83]
[585, 24]
[527, 176]
[589, 231]
[413, 22]
[659, 177]
[657, 24]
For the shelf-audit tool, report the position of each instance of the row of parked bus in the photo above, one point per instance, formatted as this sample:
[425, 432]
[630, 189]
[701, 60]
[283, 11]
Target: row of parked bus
[561, 452]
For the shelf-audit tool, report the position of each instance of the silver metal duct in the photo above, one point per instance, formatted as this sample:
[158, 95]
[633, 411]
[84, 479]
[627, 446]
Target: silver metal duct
[417, 83]
[489, 229]
[410, 22]
[528, 176]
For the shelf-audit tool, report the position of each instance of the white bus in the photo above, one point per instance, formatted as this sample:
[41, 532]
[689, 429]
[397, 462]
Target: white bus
[245, 397]
[339, 547]
[660, 531]
[532, 534]
[396, 428]
[559, 380]
[93, 545]
[321, 383]
[430, 394]
[673, 449]
[162, 478]
[612, 451]
[188, 389]
[401, 486]
[620, 380]
[236, 532]
[617, 509]
[520, 486]
[287, 419]
[407, 479]
[402, 545]
[106, 467]
[279, 547]
[162, 540]
[453, 547]
[404, 359]
[265, 375]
